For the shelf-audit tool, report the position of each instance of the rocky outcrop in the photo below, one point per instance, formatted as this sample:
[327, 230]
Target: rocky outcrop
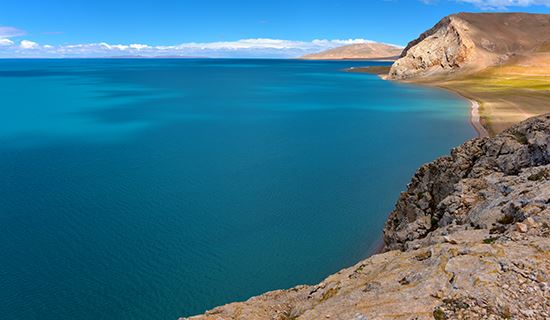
[468, 42]
[372, 50]
[469, 239]
[481, 183]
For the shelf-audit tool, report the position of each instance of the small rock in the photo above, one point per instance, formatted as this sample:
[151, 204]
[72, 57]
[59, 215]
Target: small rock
[404, 281]
[527, 313]
[423, 256]
[438, 294]
[522, 227]
[449, 240]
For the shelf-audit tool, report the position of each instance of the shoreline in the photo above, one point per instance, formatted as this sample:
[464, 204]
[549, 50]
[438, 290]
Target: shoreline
[475, 120]
[475, 116]
[475, 105]
[378, 247]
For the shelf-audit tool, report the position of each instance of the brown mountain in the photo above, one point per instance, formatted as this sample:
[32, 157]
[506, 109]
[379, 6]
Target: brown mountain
[469, 42]
[500, 60]
[358, 51]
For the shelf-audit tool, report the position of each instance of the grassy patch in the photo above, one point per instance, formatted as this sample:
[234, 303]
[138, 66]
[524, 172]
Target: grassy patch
[329, 294]
[439, 314]
[490, 240]
[544, 48]
[423, 256]
[487, 82]
[506, 219]
[542, 174]
[520, 137]
[507, 94]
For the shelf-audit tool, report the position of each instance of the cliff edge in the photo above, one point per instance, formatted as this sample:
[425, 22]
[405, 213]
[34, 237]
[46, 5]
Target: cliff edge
[465, 43]
[469, 239]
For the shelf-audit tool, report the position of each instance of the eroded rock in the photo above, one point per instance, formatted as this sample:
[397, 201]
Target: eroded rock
[469, 42]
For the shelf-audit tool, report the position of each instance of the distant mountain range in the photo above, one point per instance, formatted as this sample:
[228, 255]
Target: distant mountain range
[371, 51]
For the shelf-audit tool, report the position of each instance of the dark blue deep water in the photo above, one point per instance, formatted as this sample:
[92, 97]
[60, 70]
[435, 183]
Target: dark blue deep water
[153, 189]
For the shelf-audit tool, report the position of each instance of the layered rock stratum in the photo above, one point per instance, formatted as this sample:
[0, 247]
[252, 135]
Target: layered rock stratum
[469, 42]
[373, 50]
[468, 239]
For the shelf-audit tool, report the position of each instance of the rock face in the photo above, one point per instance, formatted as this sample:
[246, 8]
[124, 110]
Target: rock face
[358, 51]
[469, 239]
[469, 42]
[481, 183]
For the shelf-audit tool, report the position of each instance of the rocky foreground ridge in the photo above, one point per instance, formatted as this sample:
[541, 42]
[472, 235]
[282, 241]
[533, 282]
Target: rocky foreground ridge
[468, 42]
[469, 239]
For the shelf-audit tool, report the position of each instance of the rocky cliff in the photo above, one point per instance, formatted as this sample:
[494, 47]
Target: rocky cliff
[372, 50]
[469, 239]
[468, 42]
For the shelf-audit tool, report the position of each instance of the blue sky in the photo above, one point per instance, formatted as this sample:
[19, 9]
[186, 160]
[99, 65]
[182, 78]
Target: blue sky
[237, 28]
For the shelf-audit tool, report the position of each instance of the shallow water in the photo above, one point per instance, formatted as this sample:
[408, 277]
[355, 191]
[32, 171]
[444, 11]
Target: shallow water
[152, 189]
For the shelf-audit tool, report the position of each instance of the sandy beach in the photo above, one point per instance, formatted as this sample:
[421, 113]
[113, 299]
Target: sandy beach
[475, 112]
[475, 120]
[506, 95]
[501, 97]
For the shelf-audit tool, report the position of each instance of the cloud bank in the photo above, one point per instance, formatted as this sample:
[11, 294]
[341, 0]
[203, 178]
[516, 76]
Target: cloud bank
[260, 47]
[8, 32]
[504, 4]
[500, 4]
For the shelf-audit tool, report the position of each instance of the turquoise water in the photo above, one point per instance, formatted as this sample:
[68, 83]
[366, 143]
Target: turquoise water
[153, 189]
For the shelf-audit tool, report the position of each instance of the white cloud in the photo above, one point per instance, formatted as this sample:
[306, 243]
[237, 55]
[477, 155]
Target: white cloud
[26, 44]
[8, 32]
[139, 46]
[254, 47]
[503, 4]
[500, 4]
[265, 43]
[332, 43]
[6, 42]
[260, 47]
